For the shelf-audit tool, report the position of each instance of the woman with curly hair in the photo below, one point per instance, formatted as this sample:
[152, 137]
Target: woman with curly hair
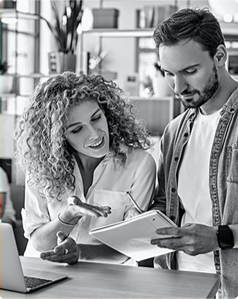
[82, 150]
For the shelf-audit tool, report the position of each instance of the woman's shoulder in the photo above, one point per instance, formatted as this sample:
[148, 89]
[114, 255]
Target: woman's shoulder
[137, 155]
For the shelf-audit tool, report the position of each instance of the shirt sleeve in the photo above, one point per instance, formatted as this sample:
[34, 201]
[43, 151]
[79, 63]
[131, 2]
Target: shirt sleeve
[159, 201]
[142, 189]
[35, 213]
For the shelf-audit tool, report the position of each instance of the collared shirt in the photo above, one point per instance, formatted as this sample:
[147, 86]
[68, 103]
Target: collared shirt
[109, 188]
[223, 182]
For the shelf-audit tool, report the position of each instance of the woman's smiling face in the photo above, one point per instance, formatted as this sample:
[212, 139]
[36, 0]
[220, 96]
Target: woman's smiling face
[87, 130]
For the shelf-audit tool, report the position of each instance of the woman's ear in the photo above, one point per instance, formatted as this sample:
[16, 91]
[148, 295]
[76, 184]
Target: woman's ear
[221, 55]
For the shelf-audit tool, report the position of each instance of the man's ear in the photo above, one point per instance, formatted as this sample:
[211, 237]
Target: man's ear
[221, 55]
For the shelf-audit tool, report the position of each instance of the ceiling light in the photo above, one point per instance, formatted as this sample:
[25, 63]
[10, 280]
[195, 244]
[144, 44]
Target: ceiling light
[221, 7]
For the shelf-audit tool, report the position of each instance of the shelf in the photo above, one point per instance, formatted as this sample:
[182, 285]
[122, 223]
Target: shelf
[153, 98]
[229, 28]
[148, 32]
[6, 11]
[31, 76]
[35, 76]
[12, 13]
[7, 95]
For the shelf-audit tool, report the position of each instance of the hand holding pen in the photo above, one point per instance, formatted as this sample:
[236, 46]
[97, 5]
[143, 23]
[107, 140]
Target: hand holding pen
[134, 203]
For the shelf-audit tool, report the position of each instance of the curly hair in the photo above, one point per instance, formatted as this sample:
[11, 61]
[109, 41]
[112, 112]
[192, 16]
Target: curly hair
[42, 148]
[195, 24]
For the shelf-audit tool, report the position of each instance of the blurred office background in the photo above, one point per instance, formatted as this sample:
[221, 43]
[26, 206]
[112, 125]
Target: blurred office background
[109, 37]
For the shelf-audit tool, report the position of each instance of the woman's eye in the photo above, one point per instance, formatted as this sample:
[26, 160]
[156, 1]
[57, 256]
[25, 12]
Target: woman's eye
[77, 130]
[96, 117]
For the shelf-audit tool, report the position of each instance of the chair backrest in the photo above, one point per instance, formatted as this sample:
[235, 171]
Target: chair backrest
[6, 164]
[18, 197]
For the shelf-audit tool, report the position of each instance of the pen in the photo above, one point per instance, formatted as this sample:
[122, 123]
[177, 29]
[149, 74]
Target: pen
[134, 202]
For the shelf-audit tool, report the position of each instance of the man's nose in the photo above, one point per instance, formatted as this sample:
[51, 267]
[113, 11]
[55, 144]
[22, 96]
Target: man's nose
[179, 84]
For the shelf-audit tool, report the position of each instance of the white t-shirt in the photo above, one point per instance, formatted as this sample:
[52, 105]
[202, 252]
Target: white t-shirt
[193, 187]
[9, 212]
[109, 188]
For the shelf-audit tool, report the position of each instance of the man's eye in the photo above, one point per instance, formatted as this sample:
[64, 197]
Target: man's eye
[190, 72]
[168, 74]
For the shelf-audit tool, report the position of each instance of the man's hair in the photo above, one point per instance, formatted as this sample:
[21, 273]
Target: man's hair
[198, 25]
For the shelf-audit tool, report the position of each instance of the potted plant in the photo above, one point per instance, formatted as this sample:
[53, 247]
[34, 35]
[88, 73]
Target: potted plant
[64, 28]
[6, 81]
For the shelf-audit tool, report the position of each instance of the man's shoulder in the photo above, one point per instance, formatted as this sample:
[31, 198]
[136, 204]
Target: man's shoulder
[178, 120]
[176, 125]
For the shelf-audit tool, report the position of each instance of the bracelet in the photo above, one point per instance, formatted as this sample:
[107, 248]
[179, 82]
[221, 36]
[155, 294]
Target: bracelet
[70, 224]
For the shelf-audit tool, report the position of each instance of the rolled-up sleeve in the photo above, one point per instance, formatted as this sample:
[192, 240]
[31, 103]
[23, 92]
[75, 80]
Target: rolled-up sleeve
[143, 186]
[35, 213]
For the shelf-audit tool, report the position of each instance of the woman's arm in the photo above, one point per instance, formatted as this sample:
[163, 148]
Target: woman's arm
[44, 237]
[143, 187]
[69, 252]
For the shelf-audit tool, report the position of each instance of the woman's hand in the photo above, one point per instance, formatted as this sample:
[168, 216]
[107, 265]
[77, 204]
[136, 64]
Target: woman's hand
[67, 251]
[75, 209]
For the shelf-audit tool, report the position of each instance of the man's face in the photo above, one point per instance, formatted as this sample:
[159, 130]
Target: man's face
[190, 72]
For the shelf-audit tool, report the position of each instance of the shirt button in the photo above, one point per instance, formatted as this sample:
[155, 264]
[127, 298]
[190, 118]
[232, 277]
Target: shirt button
[173, 190]
[185, 135]
[176, 159]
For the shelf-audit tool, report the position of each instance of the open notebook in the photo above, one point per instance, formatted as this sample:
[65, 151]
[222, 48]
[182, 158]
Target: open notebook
[12, 276]
[132, 237]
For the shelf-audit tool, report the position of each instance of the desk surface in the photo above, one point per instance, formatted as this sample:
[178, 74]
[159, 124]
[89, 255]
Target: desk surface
[94, 280]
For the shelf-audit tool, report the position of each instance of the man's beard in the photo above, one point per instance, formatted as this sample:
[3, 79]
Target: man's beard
[208, 91]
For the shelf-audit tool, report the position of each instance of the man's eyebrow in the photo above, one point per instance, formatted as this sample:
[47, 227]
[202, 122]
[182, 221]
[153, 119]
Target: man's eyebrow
[185, 69]
[78, 123]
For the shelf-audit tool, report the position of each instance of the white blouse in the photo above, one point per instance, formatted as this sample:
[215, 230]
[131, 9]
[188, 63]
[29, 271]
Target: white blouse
[109, 188]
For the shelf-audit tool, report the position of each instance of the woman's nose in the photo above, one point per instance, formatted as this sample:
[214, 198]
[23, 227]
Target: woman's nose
[93, 132]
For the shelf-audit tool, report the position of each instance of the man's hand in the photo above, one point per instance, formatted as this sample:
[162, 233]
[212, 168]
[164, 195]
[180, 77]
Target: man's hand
[192, 238]
[67, 251]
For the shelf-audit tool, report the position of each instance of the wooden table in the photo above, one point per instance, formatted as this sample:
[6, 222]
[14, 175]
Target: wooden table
[95, 280]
